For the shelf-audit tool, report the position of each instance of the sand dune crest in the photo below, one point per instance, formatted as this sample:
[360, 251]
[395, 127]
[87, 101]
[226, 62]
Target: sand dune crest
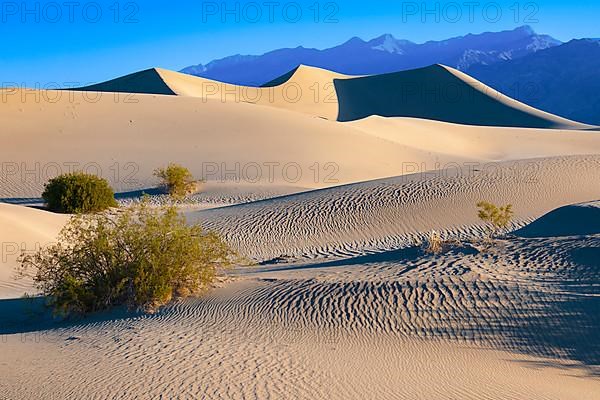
[439, 93]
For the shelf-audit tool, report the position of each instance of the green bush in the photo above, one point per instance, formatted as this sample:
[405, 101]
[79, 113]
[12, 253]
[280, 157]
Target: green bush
[141, 257]
[78, 193]
[497, 217]
[177, 179]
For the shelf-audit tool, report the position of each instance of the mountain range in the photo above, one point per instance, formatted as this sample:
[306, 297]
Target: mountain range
[380, 55]
[561, 78]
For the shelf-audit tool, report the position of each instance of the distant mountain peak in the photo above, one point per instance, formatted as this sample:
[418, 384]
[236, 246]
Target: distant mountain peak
[354, 40]
[389, 43]
[525, 29]
[385, 36]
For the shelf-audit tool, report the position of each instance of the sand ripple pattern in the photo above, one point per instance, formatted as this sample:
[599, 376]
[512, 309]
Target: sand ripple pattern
[348, 320]
[386, 214]
[371, 327]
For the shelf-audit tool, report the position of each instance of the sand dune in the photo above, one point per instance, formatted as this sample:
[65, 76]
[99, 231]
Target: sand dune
[150, 81]
[385, 214]
[439, 93]
[217, 141]
[517, 322]
[54, 131]
[487, 143]
[23, 229]
[308, 90]
[571, 220]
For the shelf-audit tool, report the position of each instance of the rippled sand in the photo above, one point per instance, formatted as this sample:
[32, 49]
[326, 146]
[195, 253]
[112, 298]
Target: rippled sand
[517, 322]
[353, 310]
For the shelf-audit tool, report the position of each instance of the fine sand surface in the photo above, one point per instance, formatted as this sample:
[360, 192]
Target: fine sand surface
[485, 143]
[339, 300]
[345, 320]
[23, 229]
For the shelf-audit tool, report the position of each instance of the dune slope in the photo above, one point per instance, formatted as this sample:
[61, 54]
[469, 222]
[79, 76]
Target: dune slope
[439, 93]
[385, 214]
[489, 143]
[436, 92]
[571, 220]
[51, 132]
[23, 229]
[217, 141]
[306, 89]
[149, 81]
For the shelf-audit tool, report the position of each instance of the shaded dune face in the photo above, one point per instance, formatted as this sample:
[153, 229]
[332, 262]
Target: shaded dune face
[572, 220]
[437, 93]
[282, 79]
[144, 82]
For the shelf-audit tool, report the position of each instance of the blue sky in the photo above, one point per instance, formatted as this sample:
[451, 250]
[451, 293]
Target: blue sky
[78, 41]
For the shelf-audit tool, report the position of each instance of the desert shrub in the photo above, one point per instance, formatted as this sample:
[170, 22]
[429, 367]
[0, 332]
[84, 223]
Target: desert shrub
[433, 244]
[497, 217]
[178, 180]
[78, 193]
[141, 257]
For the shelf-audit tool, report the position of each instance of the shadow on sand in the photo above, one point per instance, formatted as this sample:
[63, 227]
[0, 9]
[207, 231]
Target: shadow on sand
[38, 202]
[27, 315]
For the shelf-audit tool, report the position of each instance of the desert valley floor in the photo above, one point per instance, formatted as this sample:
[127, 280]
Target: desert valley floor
[327, 198]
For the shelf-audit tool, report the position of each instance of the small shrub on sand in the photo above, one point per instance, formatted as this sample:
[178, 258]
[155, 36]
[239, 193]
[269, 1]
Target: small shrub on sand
[78, 193]
[178, 180]
[434, 243]
[141, 257]
[498, 217]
